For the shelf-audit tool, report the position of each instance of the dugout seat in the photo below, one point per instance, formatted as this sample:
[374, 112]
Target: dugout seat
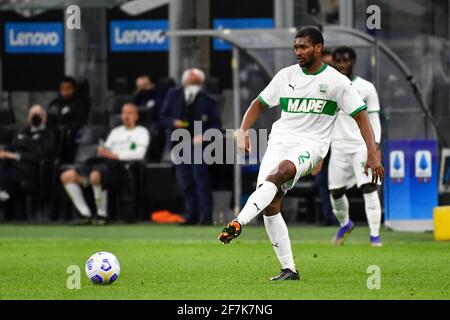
[7, 126]
[113, 104]
[160, 189]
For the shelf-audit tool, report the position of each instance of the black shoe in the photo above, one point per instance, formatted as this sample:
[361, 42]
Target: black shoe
[101, 221]
[82, 221]
[286, 274]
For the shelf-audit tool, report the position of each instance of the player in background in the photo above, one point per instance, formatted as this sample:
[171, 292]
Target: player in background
[349, 154]
[309, 93]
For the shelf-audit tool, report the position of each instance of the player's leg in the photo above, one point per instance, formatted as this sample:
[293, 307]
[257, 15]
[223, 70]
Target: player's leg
[340, 205]
[371, 199]
[100, 195]
[259, 199]
[279, 236]
[373, 212]
[340, 176]
[71, 181]
[266, 192]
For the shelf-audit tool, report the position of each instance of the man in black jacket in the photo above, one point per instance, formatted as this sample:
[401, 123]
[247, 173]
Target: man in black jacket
[19, 162]
[71, 111]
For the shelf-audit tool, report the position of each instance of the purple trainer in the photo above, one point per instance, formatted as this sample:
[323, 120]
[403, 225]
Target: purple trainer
[342, 233]
[375, 241]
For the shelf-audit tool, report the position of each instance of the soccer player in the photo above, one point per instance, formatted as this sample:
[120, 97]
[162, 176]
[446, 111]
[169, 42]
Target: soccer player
[309, 93]
[349, 153]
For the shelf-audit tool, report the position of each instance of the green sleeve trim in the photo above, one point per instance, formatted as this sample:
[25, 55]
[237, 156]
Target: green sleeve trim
[263, 102]
[354, 113]
[374, 111]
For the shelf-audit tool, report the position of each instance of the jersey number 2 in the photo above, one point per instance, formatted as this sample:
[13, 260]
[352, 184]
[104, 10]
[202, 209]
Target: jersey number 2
[302, 158]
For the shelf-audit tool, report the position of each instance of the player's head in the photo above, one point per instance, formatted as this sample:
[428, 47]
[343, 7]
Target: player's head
[129, 115]
[344, 59]
[308, 46]
[143, 82]
[67, 87]
[327, 57]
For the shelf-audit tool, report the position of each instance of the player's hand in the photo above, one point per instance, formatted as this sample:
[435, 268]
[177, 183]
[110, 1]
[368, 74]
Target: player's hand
[374, 164]
[8, 155]
[105, 153]
[317, 168]
[243, 142]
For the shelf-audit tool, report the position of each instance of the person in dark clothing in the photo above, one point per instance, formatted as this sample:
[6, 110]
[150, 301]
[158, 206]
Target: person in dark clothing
[71, 111]
[19, 162]
[146, 95]
[149, 99]
[181, 108]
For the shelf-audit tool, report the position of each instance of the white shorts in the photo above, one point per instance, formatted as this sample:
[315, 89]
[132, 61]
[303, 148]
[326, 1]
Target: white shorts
[347, 169]
[303, 157]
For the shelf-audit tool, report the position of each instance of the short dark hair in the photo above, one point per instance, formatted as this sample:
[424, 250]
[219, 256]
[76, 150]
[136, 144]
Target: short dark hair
[326, 52]
[344, 50]
[70, 80]
[144, 75]
[313, 33]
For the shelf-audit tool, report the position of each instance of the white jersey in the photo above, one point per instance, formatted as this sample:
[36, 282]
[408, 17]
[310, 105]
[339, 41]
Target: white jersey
[347, 137]
[128, 144]
[309, 104]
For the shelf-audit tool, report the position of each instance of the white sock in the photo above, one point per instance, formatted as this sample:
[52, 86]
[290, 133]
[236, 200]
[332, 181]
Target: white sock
[75, 193]
[257, 202]
[373, 212]
[101, 200]
[279, 236]
[340, 209]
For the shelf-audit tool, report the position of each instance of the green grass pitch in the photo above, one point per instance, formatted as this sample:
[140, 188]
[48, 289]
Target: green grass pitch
[173, 262]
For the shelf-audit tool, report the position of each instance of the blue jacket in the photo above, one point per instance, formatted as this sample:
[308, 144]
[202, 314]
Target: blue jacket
[206, 110]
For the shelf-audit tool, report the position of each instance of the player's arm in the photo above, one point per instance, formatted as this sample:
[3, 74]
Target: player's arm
[374, 119]
[373, 111]
[251, 115]
[373, 160]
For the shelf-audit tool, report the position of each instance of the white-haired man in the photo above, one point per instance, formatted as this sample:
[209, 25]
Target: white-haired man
[183, 106]
[31, 145]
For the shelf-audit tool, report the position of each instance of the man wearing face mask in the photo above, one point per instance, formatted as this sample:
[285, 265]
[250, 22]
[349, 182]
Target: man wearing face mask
[19, 161]
[181, 108]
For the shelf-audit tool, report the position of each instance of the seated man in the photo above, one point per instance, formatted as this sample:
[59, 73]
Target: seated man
[71, 111]
[19, 162]
[127, 142]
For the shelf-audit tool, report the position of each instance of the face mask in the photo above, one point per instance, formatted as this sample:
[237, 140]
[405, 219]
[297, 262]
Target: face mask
[192, 90]
[36, 120]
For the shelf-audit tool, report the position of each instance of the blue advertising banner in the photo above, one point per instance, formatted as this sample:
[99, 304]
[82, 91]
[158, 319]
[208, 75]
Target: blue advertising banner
[245, 23]
[138, 35]
[411, 184]
[36, 37]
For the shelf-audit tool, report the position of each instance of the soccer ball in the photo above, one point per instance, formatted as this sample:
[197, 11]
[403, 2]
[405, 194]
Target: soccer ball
[103, 268]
